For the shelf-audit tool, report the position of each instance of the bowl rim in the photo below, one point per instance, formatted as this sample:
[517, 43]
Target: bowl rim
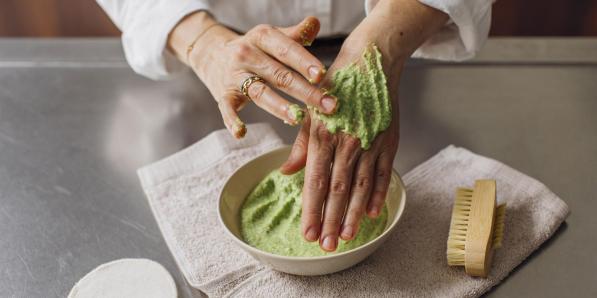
[246, 246]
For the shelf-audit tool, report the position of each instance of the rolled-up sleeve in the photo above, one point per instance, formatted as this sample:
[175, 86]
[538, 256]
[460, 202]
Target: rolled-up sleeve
[145, 25]
[462, 37]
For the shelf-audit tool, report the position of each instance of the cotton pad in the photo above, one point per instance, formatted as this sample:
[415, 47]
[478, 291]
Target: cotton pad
[129, 278]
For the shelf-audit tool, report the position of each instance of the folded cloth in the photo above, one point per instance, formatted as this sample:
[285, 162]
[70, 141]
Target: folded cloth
[183, 190]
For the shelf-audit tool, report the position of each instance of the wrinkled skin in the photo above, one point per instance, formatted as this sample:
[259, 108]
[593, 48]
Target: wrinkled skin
[339, 174]
[275, 54]
[341, 179]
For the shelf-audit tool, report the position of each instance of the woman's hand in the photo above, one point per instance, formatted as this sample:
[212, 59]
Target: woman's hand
[340, 178]
[223, 60]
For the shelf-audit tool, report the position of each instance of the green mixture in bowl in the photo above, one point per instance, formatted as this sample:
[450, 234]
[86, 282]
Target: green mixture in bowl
[271, 215]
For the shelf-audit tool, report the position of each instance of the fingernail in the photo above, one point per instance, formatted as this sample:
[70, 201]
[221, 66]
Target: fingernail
[306, 33]
[311, 234]
[314, 72]
[239, 129]
[296, 114]
[329, 243]
[374, 212]
[329, 103]
[347, 232]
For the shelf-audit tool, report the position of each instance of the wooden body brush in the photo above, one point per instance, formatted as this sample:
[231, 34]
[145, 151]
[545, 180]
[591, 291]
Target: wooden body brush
[476, 229]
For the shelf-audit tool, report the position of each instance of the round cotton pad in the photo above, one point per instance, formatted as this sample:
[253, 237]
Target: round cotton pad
[130, 278]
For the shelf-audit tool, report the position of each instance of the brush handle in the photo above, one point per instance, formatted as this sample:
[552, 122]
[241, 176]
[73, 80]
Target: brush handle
[478, 246]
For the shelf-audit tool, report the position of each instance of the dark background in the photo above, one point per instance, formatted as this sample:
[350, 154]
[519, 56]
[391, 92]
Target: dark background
[51, 18]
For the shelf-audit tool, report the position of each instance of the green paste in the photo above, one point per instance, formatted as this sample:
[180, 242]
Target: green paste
[297, 113]
[271, 215]
[364, 108]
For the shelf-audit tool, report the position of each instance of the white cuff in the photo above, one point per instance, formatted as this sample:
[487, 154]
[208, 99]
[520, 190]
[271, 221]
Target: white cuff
[145, 37]
[462, 37]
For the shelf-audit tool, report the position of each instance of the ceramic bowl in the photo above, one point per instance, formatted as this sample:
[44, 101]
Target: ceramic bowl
[242, 182]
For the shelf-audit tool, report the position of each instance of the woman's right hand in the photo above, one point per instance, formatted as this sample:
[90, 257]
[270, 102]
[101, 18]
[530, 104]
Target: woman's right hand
[223, 59]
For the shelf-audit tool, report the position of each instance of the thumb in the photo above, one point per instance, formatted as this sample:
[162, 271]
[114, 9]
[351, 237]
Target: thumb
[298, 156]
[304, 32]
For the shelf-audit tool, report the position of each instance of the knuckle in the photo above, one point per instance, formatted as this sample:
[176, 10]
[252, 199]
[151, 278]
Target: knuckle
[388, 145]
[382, 174]
[316, 182]
[256, 90]
[347, 152]
[323, 135]
[283, 78]
[382, 179]
[339, 188]
[362, 184]
[241, 52]
[312, 95]
[282, 51]
[262, 31]
[350, 144]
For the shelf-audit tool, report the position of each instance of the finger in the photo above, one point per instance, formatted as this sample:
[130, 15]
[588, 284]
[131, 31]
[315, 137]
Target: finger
[359, 196]
[283, 48]
[383, 172]
[291, 83]
[305, 32]
[272, 102]
[280, 77]
[228, 106]
[347, 152]
[317, 171]
[298, 156]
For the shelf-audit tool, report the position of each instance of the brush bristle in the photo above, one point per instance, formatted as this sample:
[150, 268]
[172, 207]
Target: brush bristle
[459, 226]
[498, 232]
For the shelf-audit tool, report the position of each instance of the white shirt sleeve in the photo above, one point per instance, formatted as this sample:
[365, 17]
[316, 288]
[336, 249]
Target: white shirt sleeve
[462, 37]
[145, 25]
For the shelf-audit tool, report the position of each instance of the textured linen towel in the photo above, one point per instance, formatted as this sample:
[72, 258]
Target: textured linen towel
[183, 191]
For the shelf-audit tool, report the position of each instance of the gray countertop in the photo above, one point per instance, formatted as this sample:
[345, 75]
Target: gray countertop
[75, 123]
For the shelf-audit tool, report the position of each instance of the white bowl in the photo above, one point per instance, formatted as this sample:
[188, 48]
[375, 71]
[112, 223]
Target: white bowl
[242, 182]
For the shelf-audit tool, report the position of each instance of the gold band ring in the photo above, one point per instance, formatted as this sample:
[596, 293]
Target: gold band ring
[244, 87]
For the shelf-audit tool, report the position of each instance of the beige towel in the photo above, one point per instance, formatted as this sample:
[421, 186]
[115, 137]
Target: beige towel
[183, 191]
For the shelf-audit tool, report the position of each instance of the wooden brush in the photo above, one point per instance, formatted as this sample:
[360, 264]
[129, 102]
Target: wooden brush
[476, 229]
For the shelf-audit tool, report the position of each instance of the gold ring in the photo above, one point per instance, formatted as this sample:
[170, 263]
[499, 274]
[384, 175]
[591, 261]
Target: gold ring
[244, 87]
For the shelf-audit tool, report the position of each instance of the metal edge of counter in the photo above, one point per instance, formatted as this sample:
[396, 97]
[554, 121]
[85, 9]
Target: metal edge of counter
[108, 52]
